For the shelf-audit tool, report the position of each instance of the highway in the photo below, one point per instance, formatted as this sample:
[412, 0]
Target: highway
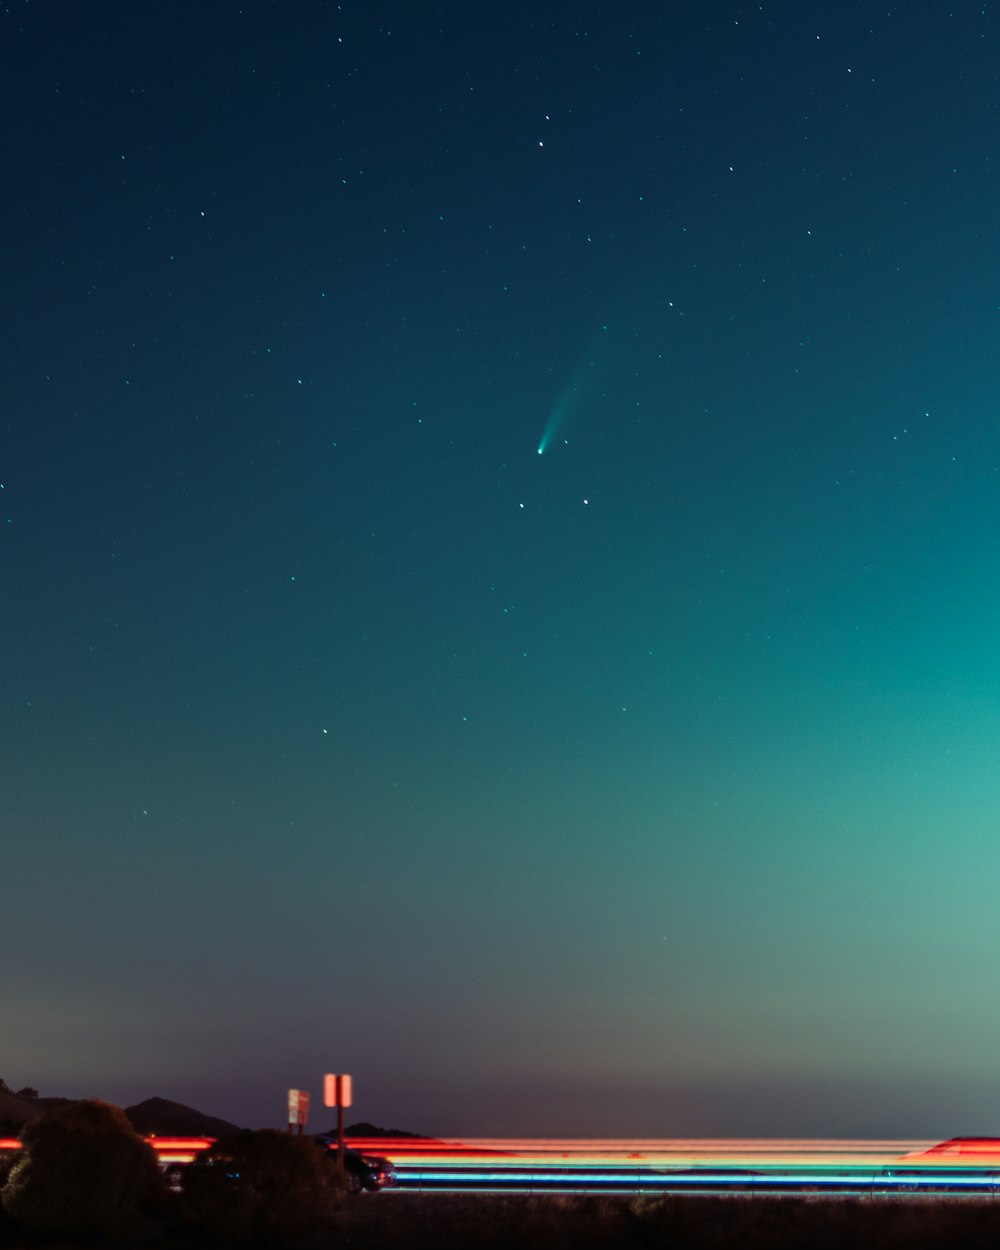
[966, 1168]
[957, 1168]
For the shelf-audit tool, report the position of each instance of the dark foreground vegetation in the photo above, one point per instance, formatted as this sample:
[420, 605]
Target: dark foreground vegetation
[443, 1222]
[83, 1178]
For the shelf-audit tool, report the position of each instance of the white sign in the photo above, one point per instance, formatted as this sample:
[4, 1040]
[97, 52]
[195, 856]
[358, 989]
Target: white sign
[298, 1106]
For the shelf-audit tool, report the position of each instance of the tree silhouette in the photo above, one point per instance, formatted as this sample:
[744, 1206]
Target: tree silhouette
[263, 1186]
[81, 1169]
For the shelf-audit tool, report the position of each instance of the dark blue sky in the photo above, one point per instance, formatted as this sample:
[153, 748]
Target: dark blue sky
[645, 786]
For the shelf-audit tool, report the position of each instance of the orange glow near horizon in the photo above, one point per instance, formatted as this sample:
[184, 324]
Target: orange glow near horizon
[427, 1154]
[698, 1150]
[179, 1149]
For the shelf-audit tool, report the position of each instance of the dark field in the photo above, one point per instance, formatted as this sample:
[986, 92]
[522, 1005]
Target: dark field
[516, 1222]
[523, 1223]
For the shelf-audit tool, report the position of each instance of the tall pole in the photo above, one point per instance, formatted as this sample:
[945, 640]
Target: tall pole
[338, 1092]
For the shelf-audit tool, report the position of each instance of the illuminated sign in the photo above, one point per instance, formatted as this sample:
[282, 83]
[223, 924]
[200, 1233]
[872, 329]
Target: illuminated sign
[336, 1090]
[298, 1106]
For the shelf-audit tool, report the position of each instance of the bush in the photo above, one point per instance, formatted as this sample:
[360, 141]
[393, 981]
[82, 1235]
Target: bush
[81, 1170]
[264, 1186]
[8, 1229]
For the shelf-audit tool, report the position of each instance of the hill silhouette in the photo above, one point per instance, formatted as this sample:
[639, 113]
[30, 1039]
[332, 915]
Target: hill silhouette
[16, 1111]
[364, 1129]
[160, 1117]
[163, 1118]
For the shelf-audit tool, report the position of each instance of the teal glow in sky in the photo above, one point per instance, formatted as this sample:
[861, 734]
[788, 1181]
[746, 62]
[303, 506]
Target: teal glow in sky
[561, 412]
[646, 788]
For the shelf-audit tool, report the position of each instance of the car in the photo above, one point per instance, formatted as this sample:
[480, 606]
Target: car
[368, 1172]
[365, 1173]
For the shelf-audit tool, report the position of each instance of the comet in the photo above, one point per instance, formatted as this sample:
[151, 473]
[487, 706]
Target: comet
[562, 408]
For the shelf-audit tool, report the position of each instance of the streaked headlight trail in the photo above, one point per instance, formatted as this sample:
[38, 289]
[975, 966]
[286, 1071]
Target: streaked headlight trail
[961, 1167]
[968, 1168]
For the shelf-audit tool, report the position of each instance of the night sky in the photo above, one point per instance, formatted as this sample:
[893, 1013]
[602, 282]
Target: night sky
[500, 561]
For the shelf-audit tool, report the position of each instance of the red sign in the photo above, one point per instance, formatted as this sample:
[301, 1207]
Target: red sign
[336, 1090]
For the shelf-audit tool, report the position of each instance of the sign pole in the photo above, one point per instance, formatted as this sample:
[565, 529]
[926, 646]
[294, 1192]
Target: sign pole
[338, 1092]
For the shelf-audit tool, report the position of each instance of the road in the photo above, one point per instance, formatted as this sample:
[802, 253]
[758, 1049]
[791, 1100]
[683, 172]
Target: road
[875, 1169]
[957, 1168]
